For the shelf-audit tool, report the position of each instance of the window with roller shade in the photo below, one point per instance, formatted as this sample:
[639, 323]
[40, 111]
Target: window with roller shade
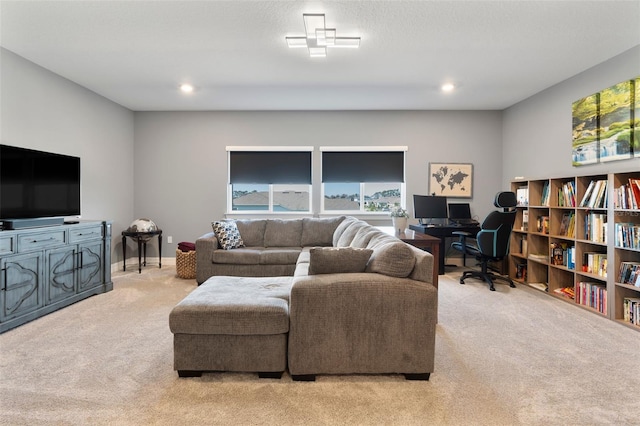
[360, 180]
[270, 179]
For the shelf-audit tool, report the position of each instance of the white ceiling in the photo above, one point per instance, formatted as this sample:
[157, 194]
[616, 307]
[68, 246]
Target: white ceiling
[136, 53]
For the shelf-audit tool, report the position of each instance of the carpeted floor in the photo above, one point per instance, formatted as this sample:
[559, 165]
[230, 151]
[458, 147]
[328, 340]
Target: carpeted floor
[510, 357]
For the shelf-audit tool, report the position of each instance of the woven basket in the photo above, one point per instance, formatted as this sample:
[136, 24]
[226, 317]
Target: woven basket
[186, 264]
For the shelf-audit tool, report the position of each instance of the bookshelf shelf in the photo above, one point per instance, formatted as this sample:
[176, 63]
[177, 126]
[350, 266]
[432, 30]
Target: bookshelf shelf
[592, 221]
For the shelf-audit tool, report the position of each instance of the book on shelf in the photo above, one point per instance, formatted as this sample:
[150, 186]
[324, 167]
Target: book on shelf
[566, 292]
[556, 254]
[627, 235]
[629, 273]
[525, 220]
[538, 257]
[593, 295]
[595, 263]
[624, 197]
[521, 271]
[631, 310]
[567, 195]
[523, 245]
[542, 224]
[595, 196]
[540, 286]
[634, 184]
[562, 254]
[567, 225]
[522, 196]
[595, 227]
[544, 198]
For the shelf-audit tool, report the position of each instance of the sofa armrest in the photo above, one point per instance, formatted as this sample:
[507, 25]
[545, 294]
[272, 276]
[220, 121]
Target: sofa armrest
[205, 246]
[361, 323]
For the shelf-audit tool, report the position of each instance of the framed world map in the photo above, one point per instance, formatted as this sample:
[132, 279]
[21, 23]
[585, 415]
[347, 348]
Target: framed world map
[451, 179]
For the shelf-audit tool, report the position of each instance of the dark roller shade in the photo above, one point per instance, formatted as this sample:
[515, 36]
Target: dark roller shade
[271, 167]
[363, 166]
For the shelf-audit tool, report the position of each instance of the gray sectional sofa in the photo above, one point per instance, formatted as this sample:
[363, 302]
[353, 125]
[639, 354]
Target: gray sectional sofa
[316, 296]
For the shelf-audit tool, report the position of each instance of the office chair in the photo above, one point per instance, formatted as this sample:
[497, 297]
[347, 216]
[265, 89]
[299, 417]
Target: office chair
[491, 243]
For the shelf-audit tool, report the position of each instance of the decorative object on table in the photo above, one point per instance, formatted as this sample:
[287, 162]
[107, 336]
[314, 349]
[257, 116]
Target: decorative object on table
[399, 217]
[186, 260]
[451, 179]
[142, 231]
[143, 225]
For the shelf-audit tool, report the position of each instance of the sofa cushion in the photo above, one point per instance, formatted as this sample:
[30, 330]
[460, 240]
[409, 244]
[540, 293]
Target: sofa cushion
[283, 233]
[240, 256]
[279, 255]
[395, 259]
[380, 239]
[348, 221]
[234, 305]
[319, 232]
[304, 255]
[349, 234]
[363, 236]
[252, 231]
[337, 260]
[227, 234]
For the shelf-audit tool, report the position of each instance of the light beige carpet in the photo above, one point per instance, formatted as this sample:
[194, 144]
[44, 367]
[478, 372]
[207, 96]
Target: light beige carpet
[514, 356]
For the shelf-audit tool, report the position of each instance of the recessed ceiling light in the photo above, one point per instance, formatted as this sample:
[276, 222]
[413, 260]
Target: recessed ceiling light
[447, 87]
[186, 88]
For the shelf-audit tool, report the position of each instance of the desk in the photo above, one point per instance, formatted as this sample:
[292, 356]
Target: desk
[442, 232]
[142, 238]
[421, 241]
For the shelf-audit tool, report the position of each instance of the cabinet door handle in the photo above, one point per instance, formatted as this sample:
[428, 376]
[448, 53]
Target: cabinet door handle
[4, 281]
[48, 239]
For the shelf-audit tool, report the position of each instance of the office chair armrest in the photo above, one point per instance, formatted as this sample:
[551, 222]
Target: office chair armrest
[462, 236]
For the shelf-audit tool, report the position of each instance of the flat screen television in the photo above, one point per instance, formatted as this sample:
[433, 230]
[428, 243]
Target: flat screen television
[430, 207]
[37, 184]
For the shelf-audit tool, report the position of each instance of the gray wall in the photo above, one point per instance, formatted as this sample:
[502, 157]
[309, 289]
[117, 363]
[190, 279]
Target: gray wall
[537, 131]
[181, 164]
[179, 174]
[41, 110]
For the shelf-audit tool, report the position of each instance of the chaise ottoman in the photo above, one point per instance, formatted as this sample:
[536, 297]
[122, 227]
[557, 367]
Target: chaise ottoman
[232, 324]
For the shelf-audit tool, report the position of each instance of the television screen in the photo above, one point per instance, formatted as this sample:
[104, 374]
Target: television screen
[37, 184]
[430, 207]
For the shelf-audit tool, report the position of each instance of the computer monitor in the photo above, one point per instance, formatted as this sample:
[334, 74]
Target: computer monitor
[459, 211]
[429, 207]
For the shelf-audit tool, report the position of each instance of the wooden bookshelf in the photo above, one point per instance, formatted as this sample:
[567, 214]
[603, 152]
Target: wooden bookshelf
[580, 219]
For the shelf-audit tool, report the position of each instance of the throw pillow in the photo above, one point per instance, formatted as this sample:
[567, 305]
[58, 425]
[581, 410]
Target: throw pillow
[394, 259]
[338, 260]
[227, 234]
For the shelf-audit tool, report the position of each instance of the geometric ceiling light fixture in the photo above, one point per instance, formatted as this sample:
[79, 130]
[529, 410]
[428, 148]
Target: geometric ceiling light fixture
[318, 37]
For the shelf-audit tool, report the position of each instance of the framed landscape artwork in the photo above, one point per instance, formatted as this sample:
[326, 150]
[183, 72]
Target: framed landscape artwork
[451, 179]
[605, 125]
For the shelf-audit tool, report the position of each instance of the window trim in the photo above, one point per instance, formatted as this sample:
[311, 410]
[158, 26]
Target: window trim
[229, 204]
[362, 211]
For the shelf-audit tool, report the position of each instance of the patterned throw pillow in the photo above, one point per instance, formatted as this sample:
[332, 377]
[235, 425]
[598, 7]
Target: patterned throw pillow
[227, 234]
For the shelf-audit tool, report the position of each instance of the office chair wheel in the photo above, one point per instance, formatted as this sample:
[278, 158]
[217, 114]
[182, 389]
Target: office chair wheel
[461, 280]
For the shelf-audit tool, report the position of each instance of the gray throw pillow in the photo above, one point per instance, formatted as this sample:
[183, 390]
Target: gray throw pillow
[395, 259]
[227, 234]
[338, 260]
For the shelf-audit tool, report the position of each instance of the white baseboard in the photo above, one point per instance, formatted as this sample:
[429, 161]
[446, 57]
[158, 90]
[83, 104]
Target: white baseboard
[132, 263]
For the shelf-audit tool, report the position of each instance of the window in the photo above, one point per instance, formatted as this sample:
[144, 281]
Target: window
[273, 179]
[362, 179]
